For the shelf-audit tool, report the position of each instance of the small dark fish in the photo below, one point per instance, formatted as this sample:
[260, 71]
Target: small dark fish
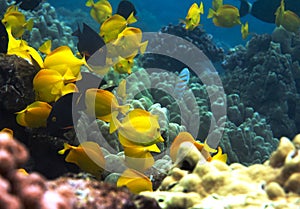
[89, 80]
[61, 117]
[89, 42]
[3, 39]
[28, 4]
[125, 8]
[65, 111]
[264, 10]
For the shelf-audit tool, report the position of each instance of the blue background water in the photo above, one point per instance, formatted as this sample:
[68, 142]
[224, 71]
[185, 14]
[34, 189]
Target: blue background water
[157, 13]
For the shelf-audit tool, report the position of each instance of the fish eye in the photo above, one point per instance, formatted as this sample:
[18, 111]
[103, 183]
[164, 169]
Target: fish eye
[158, 129]
[53, 119]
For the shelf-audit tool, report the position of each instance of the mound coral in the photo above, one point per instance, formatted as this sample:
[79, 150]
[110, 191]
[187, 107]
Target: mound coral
[274, 183]
[267, 79]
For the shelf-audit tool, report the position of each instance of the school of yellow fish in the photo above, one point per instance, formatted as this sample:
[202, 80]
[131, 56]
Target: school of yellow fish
[139, 130]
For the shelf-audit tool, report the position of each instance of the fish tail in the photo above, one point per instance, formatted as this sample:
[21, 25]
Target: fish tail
[208, 148]
[143, 47]
[29, 24]
[46, 47]
[245, 30]
[201, 8]
[86, 65]
[124, 109]
[211, 13]
[219, 156]
[131, 19]
[66, 147]
[245, 8]
[114, 123]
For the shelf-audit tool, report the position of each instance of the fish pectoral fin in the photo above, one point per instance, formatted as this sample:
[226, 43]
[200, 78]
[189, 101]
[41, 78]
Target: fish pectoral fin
[181, 20]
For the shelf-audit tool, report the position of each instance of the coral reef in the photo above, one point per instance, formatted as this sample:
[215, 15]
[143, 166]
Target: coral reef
[22, 190]
[247, 138]
[16, 93]
[48, 27]
[198, 37]
[16, 76]
[273, 184]
[265, 79]
[289, 42]
[29, 191]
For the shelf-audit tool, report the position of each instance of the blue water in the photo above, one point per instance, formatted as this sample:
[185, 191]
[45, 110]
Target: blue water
[155, 14]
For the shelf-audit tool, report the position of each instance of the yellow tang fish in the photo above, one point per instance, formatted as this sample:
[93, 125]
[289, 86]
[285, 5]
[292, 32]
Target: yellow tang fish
[225, 16]
[88, 156]
[287, 19]
[62, 59]
[49, 85]
[202, 147]
[128, 43]
[245, 30]
[139, 127]
[16, 20]
[192, 18]
[114, 25]
[100, 11]
[139, 157]
[135, 181]
[34, 115]
[23, 50]
[124, 65]
[103, 104]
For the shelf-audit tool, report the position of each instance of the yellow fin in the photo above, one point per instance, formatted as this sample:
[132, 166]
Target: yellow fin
[46, 47]
[114, 123]
[143, 47]
[29, 24]
[89, 3]
[66, 147]
[121, 91]
[211, 13]
[201, 8]
[219, 156]
[131, 19]
[208, 148]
